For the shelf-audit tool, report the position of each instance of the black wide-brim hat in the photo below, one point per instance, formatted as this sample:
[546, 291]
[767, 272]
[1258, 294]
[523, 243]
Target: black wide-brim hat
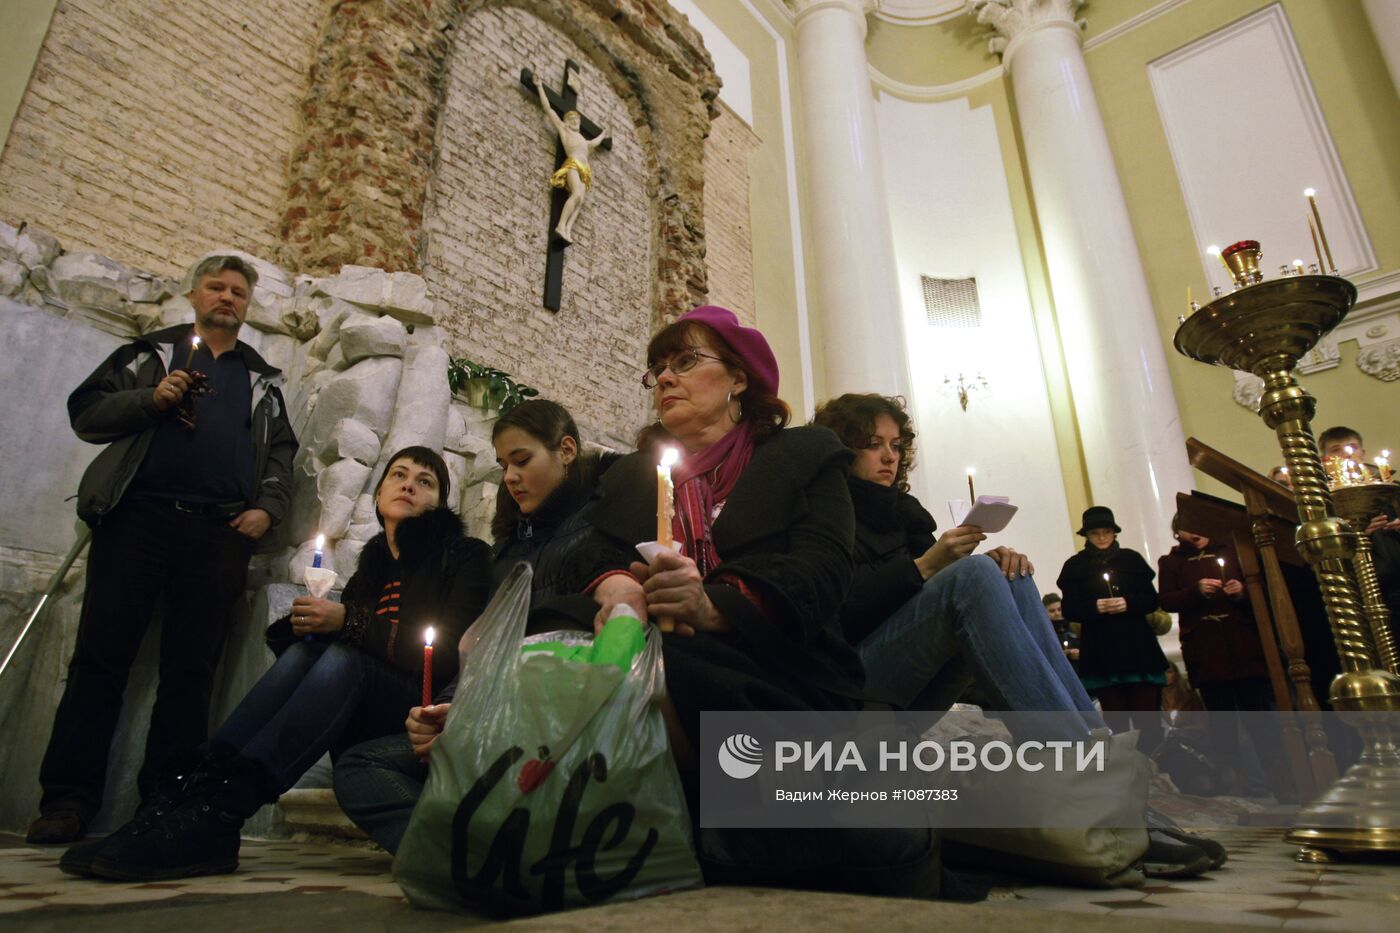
[1098, 516]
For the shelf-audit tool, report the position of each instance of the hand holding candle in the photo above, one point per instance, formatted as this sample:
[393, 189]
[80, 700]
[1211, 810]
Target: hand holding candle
[428, 667]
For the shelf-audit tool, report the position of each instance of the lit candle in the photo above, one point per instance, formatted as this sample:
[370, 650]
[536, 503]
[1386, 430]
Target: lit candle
[1221, 562]
[665, 495]
[1215, 251]
[1108, 582]
[428, 667]
[1316, 248]
[1310, 194]
[194, 345]
[1297, 267]
[320, 551]
[971, 493]
[1383, 464]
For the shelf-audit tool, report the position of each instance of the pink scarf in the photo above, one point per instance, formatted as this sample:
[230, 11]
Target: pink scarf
[702, 481]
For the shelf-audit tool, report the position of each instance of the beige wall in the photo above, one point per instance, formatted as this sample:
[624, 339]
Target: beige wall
[728, 221]
[777, 289]
[1362, 111]
[152, 130]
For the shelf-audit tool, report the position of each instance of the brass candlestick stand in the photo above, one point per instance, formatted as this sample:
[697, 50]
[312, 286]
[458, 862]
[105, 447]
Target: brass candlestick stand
[1264, 329]
[1358, 504]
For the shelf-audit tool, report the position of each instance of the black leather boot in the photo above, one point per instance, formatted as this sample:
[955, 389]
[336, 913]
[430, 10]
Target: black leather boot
[199, 835]
[179, 772]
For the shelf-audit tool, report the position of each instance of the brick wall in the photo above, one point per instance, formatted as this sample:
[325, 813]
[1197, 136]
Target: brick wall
[487, 219]
[728, 228]
[154, 128]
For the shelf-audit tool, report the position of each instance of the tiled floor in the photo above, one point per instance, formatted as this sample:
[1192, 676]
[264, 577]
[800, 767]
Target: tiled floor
[1260, 886]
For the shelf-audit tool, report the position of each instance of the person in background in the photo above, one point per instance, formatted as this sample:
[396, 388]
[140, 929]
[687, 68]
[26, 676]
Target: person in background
[1108, 590]
[1279, 474]
[1221, 648]
[1064, 629]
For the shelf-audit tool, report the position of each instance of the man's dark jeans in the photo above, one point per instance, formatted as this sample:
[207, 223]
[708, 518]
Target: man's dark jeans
[142, 552]
[378, 783]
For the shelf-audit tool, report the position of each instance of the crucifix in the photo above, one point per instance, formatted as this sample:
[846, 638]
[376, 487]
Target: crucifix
[578, 135]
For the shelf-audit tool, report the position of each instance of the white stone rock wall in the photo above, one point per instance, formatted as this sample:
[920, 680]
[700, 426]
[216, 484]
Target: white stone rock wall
[365, 374]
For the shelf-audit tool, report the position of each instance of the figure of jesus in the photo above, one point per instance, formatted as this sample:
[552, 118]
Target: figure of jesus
[575, 175]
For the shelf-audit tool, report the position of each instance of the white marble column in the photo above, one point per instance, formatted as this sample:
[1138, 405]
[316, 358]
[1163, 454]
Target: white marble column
[847, 216]
[1128, 420]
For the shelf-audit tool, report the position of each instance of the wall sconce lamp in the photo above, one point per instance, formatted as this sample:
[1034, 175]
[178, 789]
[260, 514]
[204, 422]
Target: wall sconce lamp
[964, 387]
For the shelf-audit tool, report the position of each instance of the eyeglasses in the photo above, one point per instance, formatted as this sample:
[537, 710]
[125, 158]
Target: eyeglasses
[680, 364]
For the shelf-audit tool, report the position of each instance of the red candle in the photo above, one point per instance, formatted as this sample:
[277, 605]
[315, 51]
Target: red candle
[428, 667]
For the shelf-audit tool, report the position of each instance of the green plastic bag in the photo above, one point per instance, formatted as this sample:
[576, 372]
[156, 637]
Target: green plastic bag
[552, 785]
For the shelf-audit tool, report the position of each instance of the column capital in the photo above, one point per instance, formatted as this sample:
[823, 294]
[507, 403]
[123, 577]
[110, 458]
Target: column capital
[860, 8]
[1012, 19]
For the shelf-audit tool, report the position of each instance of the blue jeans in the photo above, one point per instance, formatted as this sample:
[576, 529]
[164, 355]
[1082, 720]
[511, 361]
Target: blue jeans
[378, 783]
[318, 697]
[969, 624]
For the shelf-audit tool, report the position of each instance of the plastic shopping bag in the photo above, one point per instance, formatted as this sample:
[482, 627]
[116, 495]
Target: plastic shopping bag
[552, 784]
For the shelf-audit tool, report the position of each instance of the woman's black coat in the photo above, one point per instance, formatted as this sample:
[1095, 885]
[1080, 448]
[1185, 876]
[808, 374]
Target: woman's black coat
[786, 531]
[892, 529]
[1112, 644]
[445, 579]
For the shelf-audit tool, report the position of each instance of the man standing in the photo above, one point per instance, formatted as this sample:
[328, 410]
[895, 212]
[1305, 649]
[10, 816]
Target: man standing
[196, 469]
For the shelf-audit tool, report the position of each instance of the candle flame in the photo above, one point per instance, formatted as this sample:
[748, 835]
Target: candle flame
[1105, 576]
[320, 542]
[1298, 263]
[1213, 250]
[1309, 192]
[1385, 454]
[428, 636]
[1220, 561]
[195, 343]
[669, 457]
[972, 471]
[1349, 450]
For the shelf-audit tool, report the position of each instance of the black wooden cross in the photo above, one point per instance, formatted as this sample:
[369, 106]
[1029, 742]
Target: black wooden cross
[562, 103]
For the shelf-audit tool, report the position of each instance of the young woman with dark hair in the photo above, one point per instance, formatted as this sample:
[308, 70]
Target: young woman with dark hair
[546, 484]
[929, 618]
[355, 679]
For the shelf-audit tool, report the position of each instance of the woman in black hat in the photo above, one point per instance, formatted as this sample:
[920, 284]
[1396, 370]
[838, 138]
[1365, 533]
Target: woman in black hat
[1108, 590]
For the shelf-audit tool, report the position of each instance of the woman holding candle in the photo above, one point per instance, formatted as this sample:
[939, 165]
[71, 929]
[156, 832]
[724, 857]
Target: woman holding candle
[762, 522]
[762, 525]
[357, 680]
[1120, 661]
[547, 481]
[927, 618]
[1200, 581]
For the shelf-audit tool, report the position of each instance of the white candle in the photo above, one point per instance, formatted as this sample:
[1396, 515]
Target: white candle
[665, 495]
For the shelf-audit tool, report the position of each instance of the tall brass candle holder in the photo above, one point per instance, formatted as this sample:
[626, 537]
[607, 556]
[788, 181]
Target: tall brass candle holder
[1264, 329]
[1358, 504]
